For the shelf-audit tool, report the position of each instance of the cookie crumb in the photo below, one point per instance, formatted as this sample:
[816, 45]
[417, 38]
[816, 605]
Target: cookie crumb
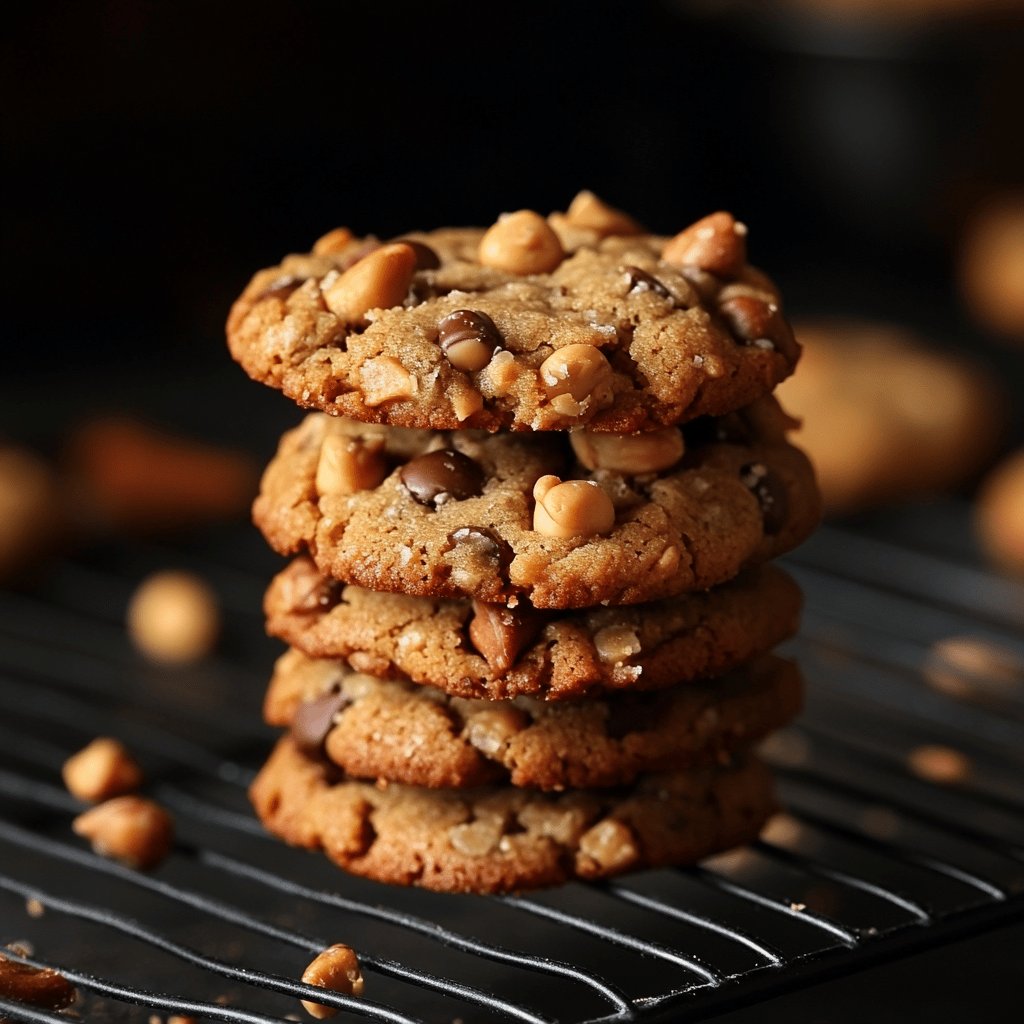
[101, 770]
[174, 617]
[935, 763]
[130, 829]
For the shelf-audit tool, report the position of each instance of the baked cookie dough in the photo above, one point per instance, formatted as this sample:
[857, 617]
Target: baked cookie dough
[498, 839]
[396, 730]
[470, 649]
[566, 521]
[535, 324]
[885, 418]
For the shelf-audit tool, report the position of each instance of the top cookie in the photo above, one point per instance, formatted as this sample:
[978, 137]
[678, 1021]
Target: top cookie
[534, 324]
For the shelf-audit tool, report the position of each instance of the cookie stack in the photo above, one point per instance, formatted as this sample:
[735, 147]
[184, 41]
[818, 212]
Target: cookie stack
[529, 613]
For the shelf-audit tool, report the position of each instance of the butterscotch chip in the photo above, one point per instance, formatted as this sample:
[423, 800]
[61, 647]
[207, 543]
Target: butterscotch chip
[489, 650]
[174, 617]
[923, 425]
[37, 986]
[128, 828]
[102, 770]
[939, 764]
[461, 514]
[444, 839]
[583, 281]
[336, 968]
[405, 732]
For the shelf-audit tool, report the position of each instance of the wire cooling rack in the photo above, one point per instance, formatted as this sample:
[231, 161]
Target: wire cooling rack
[870, 859]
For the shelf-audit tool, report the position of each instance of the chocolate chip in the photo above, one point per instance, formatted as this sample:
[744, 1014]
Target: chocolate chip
[314, 719]
[486, 545]
[281, 287]
[757, 322]
[770, 493]
[441, 476]
[500, 634]
[640, 280]
[426, 258]
[468, 338]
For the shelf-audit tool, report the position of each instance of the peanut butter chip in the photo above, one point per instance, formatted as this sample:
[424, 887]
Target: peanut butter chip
[349, 464]
[441, 476]
[476, 838]
[588, 211]
[101, 770]
[630, 454]
[128, 828]
[379, 280]
[578, 371]
[521, 243]
[571, 509]
[468, 339]
[610, 844]
[716, 243]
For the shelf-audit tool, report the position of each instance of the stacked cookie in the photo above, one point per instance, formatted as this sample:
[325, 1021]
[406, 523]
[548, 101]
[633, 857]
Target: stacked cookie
[529, 613]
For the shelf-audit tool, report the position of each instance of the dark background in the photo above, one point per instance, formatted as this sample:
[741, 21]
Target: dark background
[157, 154]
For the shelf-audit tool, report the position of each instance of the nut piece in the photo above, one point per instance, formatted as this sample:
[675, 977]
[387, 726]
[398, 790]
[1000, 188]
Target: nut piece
[350, 464]
[574, 374]
[756, 321]
[385, 379]
[501, 634]
[616, 644]
[337, 969]
[379, 280]
[588, 211]
[441, 476]
[37, 986]
[610, 845]
[576, 508]
[426, 258]
[631, 454]
[101, 770]
[174, 617]
[334, 241]
[716, 243]
[468, 339]
[476, 838]
[490, 730]
[521, 243]
[129, 829]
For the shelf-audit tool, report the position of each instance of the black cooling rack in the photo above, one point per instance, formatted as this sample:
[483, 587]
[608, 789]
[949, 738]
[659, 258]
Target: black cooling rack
[870, 859]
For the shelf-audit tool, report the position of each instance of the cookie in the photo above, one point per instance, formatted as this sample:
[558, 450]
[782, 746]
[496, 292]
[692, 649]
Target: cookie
[500, 838]
[473, 650]
[999, 513]
[885, 418]
[396, 730]
[534, 324]
[566, 521]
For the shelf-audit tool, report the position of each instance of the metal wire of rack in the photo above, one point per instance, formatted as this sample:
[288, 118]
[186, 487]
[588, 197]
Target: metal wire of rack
[869, 858]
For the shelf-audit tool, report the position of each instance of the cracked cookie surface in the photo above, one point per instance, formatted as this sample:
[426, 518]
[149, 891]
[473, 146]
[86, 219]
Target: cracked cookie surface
[678, 328]
[473, 651]
[500, 838]
[396, 730]
[457, 514]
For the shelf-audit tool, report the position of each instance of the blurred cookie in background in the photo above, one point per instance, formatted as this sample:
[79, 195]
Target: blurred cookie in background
[32, 511]
[999, 513]
[135, 478]
[884, 417]
[992, 266]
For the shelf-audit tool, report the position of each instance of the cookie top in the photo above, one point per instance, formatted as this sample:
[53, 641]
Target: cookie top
[535, 324]
[565, 520]
[500, 838]
[393, 729]
[471, 649]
